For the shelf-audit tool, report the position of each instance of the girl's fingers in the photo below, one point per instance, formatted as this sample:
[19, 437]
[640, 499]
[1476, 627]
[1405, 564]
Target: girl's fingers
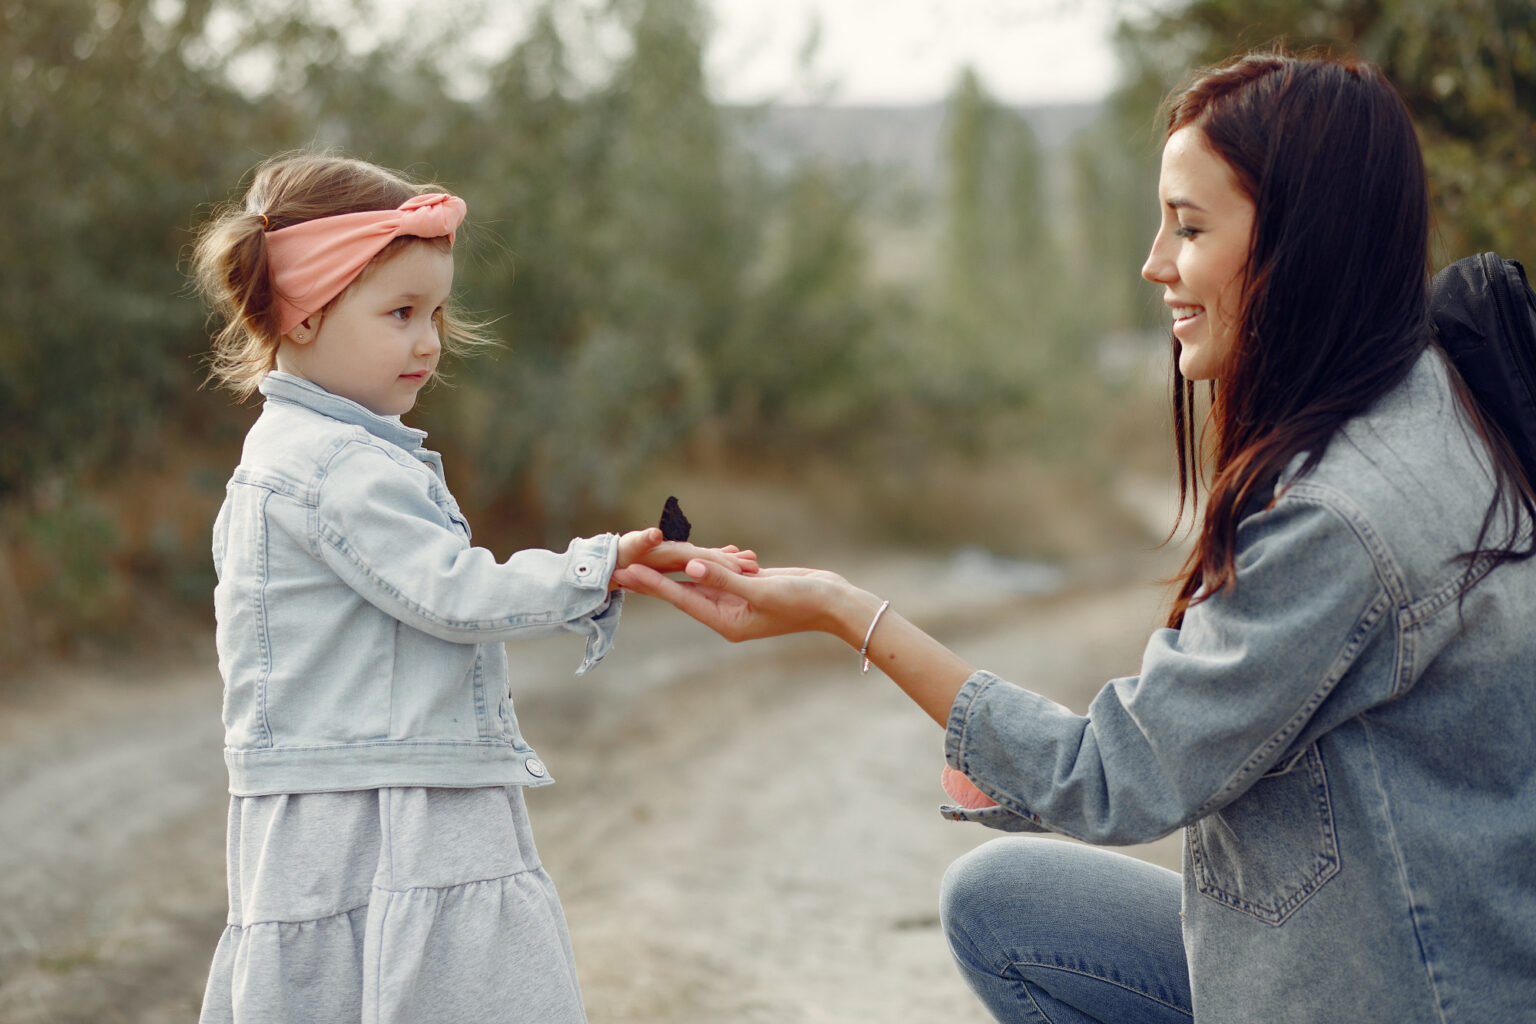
[733, 560]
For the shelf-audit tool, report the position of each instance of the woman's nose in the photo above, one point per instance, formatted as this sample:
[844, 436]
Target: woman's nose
[1159, 267]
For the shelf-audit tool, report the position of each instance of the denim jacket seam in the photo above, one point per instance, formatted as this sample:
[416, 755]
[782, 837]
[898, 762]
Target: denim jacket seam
[262, 626]
[274, 482]
[1411, 903]
[386, 744]
[1388, 572]
[482, 709]
[1390, 584]
[1412, 613]
[1364, 626]
[1429, 605]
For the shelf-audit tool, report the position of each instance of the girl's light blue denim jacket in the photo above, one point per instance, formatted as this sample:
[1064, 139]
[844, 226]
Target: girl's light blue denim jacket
[1347, 738]
[360, 634]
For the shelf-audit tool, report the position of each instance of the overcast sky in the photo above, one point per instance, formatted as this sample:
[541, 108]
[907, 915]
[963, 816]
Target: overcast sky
[866, 52]
[910, 51]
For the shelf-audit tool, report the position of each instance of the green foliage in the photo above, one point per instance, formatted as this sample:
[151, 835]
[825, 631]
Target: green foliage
[92, 334]
[662, 297]
[655, 289]
[1467, 69]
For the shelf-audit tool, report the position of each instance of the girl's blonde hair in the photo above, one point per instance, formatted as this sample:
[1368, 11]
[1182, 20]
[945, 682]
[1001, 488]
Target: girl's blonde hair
[229, 258]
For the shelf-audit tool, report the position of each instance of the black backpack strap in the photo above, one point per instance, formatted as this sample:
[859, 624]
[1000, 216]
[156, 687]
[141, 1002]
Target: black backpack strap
[1484, 313]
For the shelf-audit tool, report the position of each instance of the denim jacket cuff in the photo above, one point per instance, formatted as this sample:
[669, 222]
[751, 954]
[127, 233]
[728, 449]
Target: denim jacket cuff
[997, 816]
[954, 732]
[600, 627]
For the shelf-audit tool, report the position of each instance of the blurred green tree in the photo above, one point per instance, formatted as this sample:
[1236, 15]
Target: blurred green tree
[997, 345]
[1467, 69]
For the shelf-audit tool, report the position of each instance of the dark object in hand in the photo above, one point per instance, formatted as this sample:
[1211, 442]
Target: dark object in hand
[674, 525]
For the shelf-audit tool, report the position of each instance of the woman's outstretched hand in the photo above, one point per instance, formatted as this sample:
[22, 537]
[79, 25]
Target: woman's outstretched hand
[769, 602]
[772, 602]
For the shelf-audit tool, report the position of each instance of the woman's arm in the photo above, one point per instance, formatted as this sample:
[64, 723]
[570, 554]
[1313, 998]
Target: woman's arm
[1257, 672]
[774, 602]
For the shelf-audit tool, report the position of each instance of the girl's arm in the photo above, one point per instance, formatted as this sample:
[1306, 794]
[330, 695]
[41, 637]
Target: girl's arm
[773, 602]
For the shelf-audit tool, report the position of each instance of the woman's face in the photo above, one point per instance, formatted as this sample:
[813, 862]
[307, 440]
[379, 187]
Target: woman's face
[1200, 251]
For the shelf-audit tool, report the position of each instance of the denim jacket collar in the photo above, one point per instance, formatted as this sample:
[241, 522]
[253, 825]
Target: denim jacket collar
[278, 386]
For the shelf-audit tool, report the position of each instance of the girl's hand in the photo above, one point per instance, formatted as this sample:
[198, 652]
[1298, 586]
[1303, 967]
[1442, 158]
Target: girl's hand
[771, 602]
[646, 547]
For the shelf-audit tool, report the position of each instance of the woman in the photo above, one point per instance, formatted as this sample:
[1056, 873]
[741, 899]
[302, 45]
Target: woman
[1341, 708]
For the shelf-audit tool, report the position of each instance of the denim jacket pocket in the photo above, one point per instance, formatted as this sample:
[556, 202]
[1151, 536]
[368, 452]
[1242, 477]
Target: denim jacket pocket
[1267, 852]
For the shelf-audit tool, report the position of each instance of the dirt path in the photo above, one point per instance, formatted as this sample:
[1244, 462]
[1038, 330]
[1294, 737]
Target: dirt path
[740, 833]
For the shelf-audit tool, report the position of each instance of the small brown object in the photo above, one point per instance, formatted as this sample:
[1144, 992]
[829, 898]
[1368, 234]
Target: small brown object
[674, 525]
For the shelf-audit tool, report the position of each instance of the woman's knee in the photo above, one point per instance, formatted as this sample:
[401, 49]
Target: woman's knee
[1039, 886]
[993, 881]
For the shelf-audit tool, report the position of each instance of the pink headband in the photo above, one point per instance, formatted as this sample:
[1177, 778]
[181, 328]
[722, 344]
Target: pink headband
[313, 262]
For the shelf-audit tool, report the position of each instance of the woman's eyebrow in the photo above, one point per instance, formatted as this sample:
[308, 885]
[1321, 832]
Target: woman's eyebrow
[1180, 203]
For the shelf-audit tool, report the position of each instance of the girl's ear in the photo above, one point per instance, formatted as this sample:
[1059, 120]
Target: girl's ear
[305, 332]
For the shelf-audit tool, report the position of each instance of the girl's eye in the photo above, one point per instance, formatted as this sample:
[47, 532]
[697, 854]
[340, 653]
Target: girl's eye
[1186, 232]
[403, 313]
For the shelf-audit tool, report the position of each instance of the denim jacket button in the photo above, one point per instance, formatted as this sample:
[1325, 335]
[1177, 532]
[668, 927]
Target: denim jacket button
[535, 767]
[583, 569]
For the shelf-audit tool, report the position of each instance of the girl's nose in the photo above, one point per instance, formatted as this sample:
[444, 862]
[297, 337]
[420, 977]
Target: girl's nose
[428, 341]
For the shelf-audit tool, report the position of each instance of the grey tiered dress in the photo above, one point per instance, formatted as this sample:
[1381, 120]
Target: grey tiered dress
[390, 906]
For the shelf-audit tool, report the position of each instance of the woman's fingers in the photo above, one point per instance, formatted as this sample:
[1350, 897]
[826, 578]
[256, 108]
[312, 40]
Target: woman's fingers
[711, 574]
[713, 607]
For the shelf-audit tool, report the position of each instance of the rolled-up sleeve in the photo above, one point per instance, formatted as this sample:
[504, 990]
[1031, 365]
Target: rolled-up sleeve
[380, 530]
[1215, 705]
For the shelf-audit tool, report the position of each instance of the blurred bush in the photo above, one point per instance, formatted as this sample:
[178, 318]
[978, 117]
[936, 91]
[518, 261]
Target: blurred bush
[666, 299]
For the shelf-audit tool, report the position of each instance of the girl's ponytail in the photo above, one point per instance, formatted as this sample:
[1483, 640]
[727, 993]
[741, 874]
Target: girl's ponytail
[229, 270]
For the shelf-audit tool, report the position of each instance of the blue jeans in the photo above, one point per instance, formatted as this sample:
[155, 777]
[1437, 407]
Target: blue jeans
[1054, 933]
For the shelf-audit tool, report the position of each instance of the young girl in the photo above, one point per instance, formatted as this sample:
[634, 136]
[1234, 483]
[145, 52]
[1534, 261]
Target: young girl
[381, 866]
[1339, 713]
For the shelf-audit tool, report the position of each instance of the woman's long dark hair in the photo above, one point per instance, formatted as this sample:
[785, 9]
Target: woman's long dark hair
[1334, 308]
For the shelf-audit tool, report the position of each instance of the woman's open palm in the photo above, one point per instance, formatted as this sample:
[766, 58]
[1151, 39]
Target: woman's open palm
[771, 602]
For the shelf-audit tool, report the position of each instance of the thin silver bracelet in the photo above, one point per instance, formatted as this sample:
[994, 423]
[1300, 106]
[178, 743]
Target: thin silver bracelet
[864, 651]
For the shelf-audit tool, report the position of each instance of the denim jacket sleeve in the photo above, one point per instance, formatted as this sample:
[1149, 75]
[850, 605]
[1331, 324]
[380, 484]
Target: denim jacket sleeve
[396, 537]
[1253, 671]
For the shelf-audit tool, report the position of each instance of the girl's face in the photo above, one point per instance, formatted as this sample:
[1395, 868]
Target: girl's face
[378, 343]
[1200, 251]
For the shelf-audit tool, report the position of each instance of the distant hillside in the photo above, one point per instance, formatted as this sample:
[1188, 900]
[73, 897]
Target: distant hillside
[907, 138]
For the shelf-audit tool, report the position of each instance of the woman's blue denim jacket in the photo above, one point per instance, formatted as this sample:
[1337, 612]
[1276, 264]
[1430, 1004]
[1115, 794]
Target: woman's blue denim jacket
[359, 632]
[1346, 735]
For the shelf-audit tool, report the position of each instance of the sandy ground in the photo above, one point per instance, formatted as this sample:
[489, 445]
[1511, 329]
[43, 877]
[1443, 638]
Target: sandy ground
[740, 833]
